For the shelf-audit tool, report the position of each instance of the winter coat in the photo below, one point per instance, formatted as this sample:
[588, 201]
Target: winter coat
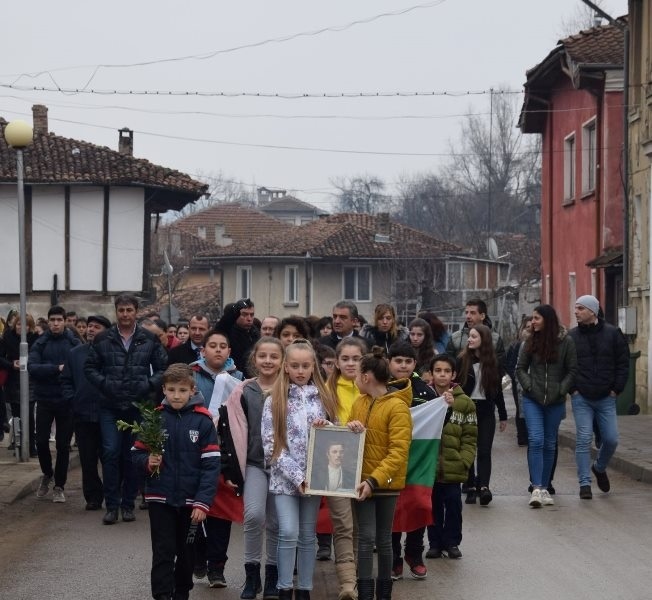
[191, 458]
[332, 339]
[374, 337]
[83, 396]
[548, 383]
[498, 398]
[602, 360]
[9, 352]
[288, 470]
[183, 353]
[347, 394]
[388, 424]
[45, 356]
[421, 391]
[205, 383]
[126, 376]
[458, 439]
[460, 338]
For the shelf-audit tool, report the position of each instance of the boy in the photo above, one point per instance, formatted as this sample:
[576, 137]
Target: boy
[458, 446]
[402, 363]
[180, 494]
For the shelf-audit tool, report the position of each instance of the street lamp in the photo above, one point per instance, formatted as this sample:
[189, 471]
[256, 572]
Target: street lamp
[18, 135]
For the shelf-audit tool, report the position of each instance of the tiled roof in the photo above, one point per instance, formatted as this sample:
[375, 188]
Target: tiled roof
[290, 203]
[602, 45]
[190, 244]
[59, 160]
[342, 236]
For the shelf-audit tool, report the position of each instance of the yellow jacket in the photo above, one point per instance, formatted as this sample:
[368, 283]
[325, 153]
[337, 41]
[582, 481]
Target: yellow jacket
[389, 433]
[347, 392]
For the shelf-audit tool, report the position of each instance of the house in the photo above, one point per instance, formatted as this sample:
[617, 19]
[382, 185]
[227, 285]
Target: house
[574, 100]
[639, 234]
[287, 208]
[359, 257]
[88, 218]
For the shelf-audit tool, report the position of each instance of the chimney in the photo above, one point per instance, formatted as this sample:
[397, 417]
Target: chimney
[383, 228]
[40, 118]
[126, 141]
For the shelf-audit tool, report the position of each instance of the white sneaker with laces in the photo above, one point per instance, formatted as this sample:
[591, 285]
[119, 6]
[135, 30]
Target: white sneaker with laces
[58, 495]
[535, 498]
[546, 498]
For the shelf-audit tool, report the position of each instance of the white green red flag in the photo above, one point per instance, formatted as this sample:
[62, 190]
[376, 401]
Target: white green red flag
[414, 506]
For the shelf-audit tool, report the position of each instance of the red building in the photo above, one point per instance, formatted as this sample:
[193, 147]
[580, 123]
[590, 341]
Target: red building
[574, 99]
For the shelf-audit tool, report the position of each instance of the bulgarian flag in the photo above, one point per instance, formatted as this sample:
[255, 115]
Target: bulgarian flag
[414, 506]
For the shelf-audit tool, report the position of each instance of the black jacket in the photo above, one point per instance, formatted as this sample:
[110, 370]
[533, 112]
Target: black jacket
[45, 356]
[9, 352]
[498, 399]
[332, 340]
[124, 376]
[182, 354]
[602, 360]
[82, 395]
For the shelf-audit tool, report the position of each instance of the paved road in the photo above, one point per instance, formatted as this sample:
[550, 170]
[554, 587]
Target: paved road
[578, 550]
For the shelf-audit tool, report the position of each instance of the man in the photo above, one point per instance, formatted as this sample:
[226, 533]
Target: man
[237, 323]
[46, 360]
[475, 313]
[268, 326]
[85, 402]
[332, 475]
[71, 318]
[126, 364]
[190, 350]
[602, 370]
[345, 319]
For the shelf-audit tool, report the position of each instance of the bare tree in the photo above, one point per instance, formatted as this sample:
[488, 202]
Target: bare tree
[361, 194]
[582, 18]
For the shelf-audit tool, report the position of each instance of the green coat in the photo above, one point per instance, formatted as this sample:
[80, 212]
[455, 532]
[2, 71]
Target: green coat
[458, 439]
[548, 383]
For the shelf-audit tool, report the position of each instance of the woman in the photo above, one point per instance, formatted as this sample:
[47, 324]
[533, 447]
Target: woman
[440, 335]
[385, 331]
[421, 340]
[183, 333]
[290, 329]
[510, 366]
[547, 363]
[480, 379]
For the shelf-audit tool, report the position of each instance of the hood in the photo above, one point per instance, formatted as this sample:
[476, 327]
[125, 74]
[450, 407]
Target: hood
[401, 388]
[563, 332]
[195, 400]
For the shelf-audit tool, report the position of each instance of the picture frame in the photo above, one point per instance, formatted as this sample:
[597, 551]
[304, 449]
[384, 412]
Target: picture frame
[340, 448]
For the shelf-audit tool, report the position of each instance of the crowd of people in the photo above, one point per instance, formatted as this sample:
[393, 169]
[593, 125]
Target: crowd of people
[237, 401]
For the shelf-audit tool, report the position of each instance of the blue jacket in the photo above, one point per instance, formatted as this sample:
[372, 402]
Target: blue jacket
[81, 393]
[45, 356]
[191, 458]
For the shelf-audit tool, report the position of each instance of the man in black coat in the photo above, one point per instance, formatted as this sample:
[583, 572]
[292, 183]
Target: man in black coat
[345, 318]
[190, 350]
[237, 323]
[602, 371]
[46, 360]
[126, 364]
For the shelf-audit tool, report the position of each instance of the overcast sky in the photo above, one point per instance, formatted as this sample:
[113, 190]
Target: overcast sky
[439, 46]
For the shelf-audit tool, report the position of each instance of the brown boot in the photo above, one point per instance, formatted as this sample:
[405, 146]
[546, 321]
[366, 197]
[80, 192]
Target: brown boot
[346, 575]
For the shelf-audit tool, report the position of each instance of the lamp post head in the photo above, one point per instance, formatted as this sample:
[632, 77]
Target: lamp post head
[18, 134]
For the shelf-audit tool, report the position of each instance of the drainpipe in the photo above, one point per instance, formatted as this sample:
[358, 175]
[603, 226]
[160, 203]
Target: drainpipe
[647, 149]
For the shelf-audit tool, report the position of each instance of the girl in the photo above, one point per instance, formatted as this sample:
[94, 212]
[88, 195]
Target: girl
[299, 400]
[480, 379]
[183, 333]
[343, 389]
[510, 366]
[385, 415]
[421, 340]
[385, 330]
[243, 461]
[292, 328]
[547, 363]
[440, 335]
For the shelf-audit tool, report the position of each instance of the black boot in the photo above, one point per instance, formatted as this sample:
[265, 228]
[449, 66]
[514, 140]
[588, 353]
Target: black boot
[285, 594]
[271, 579]
[301, 594]
[365, 589]
[384, 589]
[252, 582]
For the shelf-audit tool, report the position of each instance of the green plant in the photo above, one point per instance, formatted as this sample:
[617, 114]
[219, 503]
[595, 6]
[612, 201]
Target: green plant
[150, 430]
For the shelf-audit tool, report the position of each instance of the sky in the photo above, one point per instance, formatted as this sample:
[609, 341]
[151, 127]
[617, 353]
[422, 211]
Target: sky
[456, 50]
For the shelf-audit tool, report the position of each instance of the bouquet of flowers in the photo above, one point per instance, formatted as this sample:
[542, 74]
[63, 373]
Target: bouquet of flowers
[150, 430]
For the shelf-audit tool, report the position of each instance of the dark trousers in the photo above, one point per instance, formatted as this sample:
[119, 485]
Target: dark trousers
[46, 414]
[211, 550]
[89, 444]
[172, 558]
[447, 516]
[413, 545]
[485, 412]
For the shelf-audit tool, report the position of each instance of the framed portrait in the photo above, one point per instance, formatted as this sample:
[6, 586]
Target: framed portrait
[334, 461]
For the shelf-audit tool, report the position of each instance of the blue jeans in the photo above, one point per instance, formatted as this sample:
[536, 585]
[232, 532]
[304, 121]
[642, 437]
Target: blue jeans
[118, 470]
[297, 523]
[542, 430]
[604, 412]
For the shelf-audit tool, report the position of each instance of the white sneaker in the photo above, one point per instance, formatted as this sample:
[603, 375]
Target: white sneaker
[546, 498]
[535, 498]
[44, 486]
[57, 494]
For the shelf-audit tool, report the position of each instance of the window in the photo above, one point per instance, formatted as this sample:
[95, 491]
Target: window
[243, 282]
[291, 284]
[201, 232]
[569, 169]
[357, 284]
[589, 157]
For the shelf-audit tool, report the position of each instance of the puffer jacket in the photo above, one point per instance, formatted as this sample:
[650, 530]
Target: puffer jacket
[124, 376]
[83, 397]
[458, 439]
[602, 360]
[45, 356]
[191, 458]
[9, 352]
[548, 383]
[388, 424]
